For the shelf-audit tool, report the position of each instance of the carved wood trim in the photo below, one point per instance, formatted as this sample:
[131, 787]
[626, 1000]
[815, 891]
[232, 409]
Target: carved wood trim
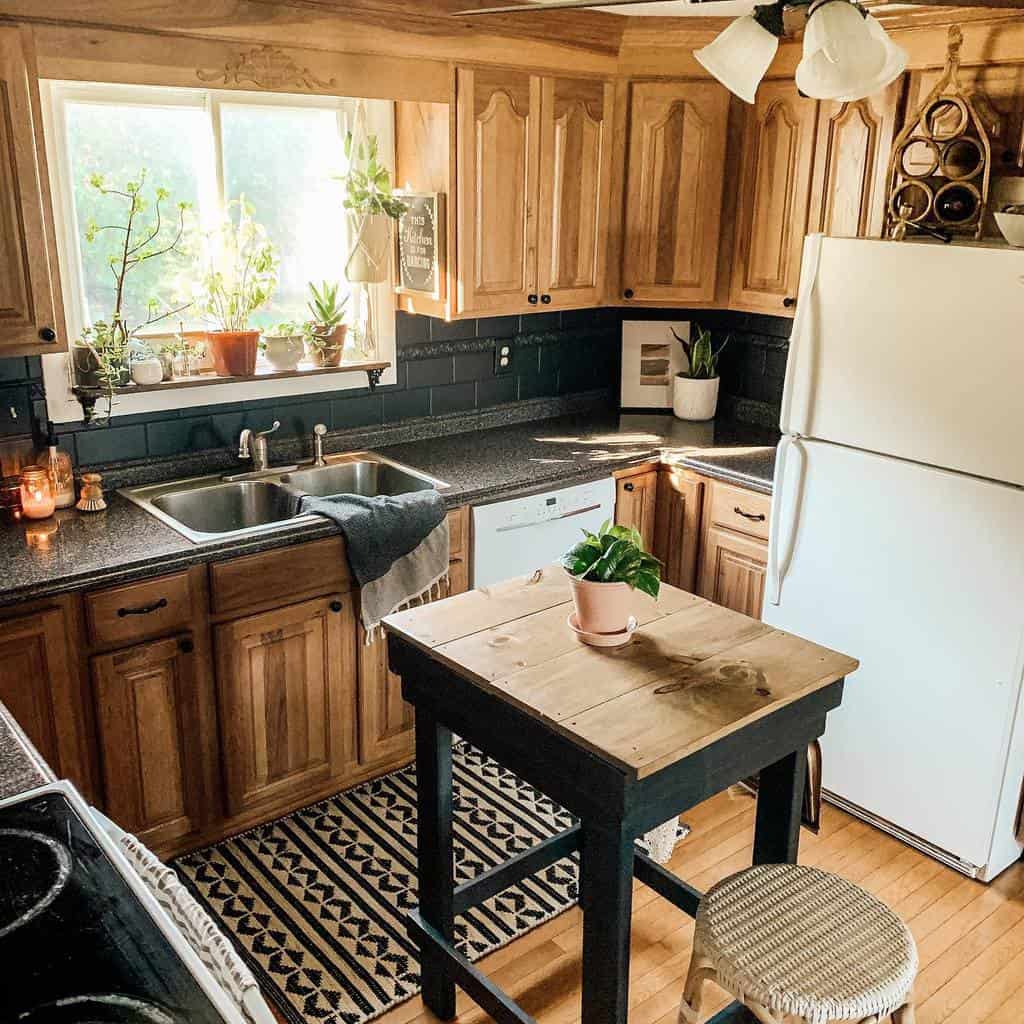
[266, 67]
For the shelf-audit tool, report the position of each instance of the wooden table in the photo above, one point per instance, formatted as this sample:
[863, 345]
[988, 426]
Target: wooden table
[624, 739]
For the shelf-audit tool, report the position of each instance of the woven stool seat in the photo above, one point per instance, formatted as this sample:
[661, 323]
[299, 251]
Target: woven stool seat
[785, 939]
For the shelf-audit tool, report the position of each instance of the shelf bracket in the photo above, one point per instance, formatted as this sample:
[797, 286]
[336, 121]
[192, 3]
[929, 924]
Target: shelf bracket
[373, 375]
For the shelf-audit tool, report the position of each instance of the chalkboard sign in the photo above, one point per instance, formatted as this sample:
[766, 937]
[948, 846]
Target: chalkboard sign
[421, 232]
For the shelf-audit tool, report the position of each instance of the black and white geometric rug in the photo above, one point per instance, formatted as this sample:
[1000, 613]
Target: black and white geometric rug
[315, 901]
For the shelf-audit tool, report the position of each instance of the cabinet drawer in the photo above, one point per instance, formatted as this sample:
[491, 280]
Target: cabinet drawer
[457, 531]
[275, 577]
[739, 509]
[136, 611]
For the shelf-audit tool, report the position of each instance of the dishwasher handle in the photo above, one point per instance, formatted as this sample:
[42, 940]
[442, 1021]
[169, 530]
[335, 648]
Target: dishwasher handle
[553, 519]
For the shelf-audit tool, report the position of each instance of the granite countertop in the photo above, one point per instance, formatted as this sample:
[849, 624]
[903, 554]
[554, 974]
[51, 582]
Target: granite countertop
[125, 543]
[21, 767]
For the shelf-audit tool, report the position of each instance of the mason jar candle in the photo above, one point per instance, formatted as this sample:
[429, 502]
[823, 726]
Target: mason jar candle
[37, 498]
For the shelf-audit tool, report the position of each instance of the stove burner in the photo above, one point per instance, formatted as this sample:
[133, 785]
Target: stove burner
[97, 1009]
[34, 868]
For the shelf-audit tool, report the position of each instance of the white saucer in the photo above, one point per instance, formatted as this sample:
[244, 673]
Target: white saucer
[604, 639]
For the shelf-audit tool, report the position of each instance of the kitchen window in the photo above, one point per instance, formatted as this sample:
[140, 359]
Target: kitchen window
[206, 147]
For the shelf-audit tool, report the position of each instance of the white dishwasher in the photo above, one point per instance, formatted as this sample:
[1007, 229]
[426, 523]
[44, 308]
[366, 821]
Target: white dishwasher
[512, 538]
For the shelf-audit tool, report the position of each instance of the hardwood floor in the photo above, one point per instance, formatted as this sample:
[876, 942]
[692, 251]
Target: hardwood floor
[970, 936]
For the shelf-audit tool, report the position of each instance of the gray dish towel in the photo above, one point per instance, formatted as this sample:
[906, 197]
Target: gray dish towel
[397, 547]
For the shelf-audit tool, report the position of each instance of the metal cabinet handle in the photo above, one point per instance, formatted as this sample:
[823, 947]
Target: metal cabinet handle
[758, 517]
[335, 606]
[143, 609]
[47, 334]
[531, 299]
[186, 646]
[628, 486]
[789, 302]
[628, 293]
[545, 299]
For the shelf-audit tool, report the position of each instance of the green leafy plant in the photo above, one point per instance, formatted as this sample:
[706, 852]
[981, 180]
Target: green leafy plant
[239, 269]
[368, 182]
[615, 554]
[285, 329]
[142, 233]
[701, 355]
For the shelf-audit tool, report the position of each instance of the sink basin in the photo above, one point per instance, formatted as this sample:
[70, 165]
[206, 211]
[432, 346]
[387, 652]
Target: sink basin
[368, 479]
[226, 508]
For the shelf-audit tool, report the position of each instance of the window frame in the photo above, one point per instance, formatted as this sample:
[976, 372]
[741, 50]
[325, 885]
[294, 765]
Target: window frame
[57, 373]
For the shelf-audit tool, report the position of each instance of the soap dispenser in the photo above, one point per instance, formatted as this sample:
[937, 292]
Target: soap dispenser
[58, 466]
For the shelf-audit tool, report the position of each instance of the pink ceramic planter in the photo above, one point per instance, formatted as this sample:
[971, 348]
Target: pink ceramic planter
[602, 607]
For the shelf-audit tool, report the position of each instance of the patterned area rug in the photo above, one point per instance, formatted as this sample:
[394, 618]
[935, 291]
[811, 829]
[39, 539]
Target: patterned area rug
[315, 900]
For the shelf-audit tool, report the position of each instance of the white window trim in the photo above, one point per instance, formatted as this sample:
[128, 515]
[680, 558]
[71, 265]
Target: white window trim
[62, 406]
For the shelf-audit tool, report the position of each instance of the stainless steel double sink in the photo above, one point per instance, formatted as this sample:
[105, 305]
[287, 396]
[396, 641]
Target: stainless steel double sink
[210, 508]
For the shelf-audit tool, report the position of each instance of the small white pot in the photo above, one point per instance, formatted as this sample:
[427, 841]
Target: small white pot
[284, 351]
[1012, 227]
[694, 399]
[147, 371]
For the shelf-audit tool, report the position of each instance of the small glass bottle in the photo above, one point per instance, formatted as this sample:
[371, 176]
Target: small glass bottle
[57, 464]
[36, 493]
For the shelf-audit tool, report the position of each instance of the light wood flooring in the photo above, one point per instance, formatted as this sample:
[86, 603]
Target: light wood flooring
[970, 936]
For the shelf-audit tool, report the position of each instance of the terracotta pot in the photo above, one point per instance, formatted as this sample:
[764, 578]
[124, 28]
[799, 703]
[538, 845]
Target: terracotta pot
[694, 399]
[328, 353]
[234, 352]
[602, 607]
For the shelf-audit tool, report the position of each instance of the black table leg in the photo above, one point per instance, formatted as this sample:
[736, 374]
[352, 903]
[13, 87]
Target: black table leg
[434, 850]
[607, 884]
[780, 798]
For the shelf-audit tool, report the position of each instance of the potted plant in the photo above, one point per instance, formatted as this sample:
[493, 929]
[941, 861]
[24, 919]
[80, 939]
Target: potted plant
[146, 367]
[325, 332]
[282, 345]
[695, 391]
[605, 568]
[372, 206]
[238, 279]
[101, 357]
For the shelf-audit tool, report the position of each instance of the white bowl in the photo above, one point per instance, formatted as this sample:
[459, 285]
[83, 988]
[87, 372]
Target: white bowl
[1012, 227]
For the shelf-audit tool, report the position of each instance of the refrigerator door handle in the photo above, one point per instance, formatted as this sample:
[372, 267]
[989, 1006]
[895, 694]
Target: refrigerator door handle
[799, 340]
[779, 566]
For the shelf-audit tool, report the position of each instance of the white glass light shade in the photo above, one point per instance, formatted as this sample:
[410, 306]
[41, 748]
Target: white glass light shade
[843, 51]
[894, 66]
[739, 56]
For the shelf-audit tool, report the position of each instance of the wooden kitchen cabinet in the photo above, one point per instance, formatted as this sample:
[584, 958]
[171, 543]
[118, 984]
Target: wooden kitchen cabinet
[851, 158]
[31, 314]
[677, 526]
[286, 682]
[636, 498]
[153, 719]
[677, 148]
[774, 199]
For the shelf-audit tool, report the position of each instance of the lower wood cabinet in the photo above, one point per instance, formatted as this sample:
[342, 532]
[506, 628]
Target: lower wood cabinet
[636, 498]
[733, 570]
[286, 683]
[153, 717]
[677, 526]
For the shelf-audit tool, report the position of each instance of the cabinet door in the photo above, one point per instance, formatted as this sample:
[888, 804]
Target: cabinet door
[775, 182]
[152, 749]
[286, 681]
[496, 186]
[575, 165]
[31, 318]
[40, 686]
[635, 503]
[851, 159]
[677, 137]
[733, 570]
[677, 526]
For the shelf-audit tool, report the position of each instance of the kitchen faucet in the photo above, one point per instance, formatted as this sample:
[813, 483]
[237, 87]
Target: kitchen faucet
[253, 444]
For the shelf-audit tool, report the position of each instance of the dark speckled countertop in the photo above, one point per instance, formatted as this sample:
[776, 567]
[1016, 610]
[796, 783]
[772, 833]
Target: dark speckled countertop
[125, 543]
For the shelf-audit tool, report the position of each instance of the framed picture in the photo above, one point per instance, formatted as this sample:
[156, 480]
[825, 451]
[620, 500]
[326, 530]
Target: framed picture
[651, 357]
[420, 245]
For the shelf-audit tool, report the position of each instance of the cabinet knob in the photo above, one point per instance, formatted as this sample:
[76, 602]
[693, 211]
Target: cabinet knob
[47, 334]
[628, 293]
[186, 646]
[628, 486]
[789, 302]
[335, 606]
[531, 299]
[545, 299]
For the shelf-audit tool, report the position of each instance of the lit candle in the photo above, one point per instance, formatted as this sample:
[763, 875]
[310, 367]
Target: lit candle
[37, 500]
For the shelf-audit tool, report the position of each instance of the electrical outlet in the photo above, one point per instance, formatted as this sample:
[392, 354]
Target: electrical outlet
[502, 358]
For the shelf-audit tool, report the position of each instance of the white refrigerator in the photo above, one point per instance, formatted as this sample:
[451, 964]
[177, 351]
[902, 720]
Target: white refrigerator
[897, 533]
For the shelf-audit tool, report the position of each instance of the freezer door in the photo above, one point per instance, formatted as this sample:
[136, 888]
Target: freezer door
[918, 573]
[911, 349]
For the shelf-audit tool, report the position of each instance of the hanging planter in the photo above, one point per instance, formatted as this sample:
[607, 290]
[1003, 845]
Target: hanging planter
[368, 262]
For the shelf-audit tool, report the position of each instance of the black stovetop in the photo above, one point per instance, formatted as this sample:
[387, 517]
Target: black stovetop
[76, 944]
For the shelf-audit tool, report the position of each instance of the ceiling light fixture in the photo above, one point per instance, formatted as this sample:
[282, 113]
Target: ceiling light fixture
[846, 52]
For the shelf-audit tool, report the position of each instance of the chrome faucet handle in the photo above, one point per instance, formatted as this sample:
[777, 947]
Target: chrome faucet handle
[243, 443]
[269, 430]
[318, 445]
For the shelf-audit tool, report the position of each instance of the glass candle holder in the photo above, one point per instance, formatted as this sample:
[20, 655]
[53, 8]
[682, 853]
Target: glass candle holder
[10, 499]
[37, 499]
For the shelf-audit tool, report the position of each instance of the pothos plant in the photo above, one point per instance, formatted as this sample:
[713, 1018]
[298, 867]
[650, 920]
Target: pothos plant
[615, 554]
[703, 359]
[368, 182]
[142, 234]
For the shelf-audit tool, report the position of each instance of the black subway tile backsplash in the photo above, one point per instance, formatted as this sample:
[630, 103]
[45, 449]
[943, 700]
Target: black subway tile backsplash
[99, 445]
[403, 405]
[474, 366]
[364, 411]
[496, 391]
[497, 326]
[425, 373]
[453, 398]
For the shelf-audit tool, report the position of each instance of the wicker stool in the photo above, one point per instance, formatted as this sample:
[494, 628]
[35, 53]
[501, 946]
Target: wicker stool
[788, 940]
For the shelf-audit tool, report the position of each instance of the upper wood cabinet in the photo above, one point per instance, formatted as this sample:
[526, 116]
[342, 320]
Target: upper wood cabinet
[851, 160]
[677, 143]
[575, 169]
[286, 684]
[774, 199]
[31, 315]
